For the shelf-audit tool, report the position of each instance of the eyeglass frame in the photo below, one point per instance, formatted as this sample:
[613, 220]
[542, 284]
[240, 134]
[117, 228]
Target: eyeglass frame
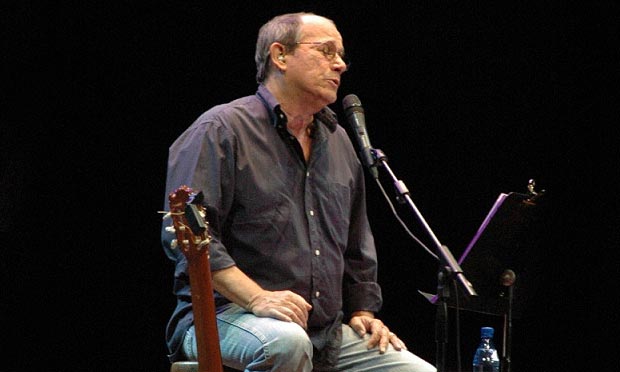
[329, 54]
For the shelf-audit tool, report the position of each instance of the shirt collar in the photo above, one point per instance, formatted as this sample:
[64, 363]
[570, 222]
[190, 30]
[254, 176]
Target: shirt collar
[326, 115]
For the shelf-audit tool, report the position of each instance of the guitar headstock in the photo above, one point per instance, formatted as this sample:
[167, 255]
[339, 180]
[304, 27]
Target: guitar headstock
[189, 221]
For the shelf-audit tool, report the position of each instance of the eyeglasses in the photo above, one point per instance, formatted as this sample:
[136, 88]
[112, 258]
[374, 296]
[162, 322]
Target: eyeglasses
[329, 50]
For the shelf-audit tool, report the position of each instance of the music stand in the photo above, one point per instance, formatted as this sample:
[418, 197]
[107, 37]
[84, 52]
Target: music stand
[502, 263]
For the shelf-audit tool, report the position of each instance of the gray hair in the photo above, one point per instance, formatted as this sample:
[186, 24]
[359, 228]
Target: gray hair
[284, 29]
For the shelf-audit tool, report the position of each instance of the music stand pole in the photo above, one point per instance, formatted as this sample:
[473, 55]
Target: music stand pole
[449, 267]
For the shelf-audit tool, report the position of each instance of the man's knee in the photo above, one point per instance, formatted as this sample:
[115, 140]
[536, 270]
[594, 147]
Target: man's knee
[287, 349]
[292, 343]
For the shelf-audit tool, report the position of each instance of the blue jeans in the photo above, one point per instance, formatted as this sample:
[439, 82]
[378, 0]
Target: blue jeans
[252, 343]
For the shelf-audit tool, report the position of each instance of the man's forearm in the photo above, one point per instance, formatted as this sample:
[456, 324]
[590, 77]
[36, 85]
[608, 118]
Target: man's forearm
[233, 284]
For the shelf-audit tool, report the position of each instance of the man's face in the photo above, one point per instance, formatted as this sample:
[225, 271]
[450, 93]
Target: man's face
[315, 68]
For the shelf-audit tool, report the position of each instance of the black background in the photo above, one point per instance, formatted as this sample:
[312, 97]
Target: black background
[467, 99]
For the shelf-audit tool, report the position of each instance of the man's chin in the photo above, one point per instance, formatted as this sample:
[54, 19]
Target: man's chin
[332, 97]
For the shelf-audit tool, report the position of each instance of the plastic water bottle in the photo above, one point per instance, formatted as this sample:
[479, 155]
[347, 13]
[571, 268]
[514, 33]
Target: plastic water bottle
[486, 358]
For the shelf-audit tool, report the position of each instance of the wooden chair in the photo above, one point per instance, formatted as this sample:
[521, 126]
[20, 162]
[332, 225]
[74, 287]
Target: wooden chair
[192, 237]
[192, 366]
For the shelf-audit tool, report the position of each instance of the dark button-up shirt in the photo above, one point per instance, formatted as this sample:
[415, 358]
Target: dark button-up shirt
[286, 223]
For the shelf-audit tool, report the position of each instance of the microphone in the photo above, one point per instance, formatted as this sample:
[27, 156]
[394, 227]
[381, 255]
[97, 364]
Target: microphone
[355, 116]
[508, 278]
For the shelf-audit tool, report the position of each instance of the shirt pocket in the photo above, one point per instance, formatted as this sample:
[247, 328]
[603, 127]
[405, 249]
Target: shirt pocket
[335, 208]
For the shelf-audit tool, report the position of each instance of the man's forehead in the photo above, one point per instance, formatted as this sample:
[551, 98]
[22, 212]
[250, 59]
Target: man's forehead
[314, 19]
[320, 27]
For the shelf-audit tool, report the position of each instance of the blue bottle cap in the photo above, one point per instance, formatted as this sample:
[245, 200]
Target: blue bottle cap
[486, 332]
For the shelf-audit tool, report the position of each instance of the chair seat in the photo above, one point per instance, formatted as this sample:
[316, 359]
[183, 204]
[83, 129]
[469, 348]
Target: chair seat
[192, 366]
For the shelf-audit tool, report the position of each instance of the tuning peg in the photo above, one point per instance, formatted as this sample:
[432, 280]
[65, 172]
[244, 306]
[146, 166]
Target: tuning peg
[170, 229]
[174, 243]
[166, 216]
[530, 186]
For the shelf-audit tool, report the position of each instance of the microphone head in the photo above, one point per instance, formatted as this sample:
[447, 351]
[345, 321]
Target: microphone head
[351, 102]
[508, 278]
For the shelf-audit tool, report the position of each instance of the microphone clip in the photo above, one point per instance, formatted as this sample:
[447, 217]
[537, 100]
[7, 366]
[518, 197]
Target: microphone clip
[378, 156]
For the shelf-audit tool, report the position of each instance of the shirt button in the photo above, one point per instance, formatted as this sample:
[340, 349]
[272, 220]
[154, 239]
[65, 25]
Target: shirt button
[317, 252]
[307, 174]
[317, 294]
[312, 213]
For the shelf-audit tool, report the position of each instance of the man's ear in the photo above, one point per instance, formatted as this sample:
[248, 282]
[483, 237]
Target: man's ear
[277, 53]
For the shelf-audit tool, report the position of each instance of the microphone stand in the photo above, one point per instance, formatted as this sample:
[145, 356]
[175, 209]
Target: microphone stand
[506, 367]
[508, 279]
[449, 269]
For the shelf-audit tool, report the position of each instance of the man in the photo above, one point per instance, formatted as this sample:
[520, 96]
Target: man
[292, 256]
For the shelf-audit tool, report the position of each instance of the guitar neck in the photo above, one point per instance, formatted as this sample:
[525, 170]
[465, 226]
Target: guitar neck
[205, 323]
[192, 236]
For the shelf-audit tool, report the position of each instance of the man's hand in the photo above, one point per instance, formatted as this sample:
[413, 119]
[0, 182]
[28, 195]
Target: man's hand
[287, 306]
[283, 305]
[364, 322]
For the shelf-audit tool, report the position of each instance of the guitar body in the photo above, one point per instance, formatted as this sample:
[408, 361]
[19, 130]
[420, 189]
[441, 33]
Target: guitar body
[188, 216]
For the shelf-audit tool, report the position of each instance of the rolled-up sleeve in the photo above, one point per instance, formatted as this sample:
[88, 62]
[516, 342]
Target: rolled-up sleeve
[203, 159]
[360, 288]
